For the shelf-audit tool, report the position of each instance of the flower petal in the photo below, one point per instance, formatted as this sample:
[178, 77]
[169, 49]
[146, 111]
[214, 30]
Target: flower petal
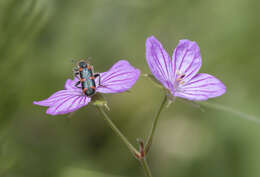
[70, 84]
[64, 101]
[201, 87]
[121, 77]
[186, 59]
[159, 62]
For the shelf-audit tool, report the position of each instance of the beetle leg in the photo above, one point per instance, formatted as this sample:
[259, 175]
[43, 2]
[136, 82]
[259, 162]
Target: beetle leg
[96, 75]
[77, 83]
[77, 75]
[75, 69]
[99, 79]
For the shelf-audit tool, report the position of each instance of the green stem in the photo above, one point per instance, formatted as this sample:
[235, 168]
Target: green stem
[150, 139]
[146, 167]
[119, 133]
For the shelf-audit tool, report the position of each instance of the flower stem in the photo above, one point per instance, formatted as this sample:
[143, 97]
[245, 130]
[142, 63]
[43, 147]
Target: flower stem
[132, 149]
[146, 167]
[150, 139]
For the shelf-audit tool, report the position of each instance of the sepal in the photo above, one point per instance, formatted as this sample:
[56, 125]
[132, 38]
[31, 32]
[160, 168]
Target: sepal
[153, 79]
[99, 100]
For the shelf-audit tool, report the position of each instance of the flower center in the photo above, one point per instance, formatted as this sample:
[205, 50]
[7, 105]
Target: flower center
[180, 77]
[179, 80]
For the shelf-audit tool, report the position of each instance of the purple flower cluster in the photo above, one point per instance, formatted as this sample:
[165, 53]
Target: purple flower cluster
[178, 75]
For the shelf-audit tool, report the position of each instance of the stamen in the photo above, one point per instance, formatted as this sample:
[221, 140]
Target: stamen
[181, 82]
[180, 77]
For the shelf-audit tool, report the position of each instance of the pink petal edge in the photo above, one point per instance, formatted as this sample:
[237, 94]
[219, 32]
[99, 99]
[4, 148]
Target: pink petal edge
[201, 87]
[119, 78]
[64, 101]
[159, 62]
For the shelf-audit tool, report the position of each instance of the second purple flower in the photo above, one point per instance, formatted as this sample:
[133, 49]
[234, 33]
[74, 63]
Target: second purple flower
[180, 75]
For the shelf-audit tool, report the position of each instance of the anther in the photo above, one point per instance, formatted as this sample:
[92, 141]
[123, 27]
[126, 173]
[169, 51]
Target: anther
[182, 76]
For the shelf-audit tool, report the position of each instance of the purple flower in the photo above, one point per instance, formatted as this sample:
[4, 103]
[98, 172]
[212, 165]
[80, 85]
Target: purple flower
[121, 77]
[180, 75]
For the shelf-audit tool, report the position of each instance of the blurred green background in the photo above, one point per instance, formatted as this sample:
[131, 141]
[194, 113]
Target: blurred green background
[38, 40]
